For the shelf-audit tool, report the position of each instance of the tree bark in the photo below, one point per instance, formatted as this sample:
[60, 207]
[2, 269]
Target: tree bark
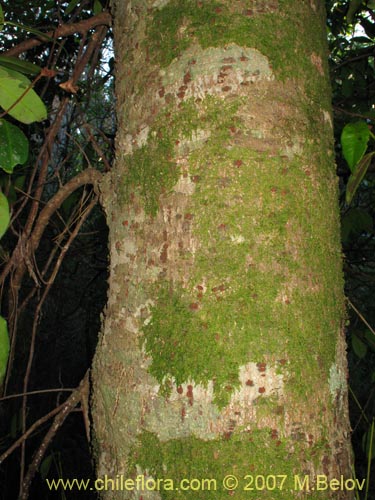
[222, 350]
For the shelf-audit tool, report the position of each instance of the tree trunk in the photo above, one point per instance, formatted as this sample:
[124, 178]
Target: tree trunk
[222, 350]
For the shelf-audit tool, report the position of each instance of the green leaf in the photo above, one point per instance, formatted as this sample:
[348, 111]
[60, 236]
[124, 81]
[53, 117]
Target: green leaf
[97, 7]
[353, 8]
[32, 30]
[4, 348]
[11, 73]
[359, 347]
[354, 139]
[30, 107]
[45, 466]
[4, 214]
[356, 177]
[17, 65]
[14, 146]
[72, 5]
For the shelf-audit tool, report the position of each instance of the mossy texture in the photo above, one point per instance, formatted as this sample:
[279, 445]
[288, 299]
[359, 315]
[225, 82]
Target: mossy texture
[227, 305]
[151, 170]
[262, 274]
[265, 25]
[205, 465]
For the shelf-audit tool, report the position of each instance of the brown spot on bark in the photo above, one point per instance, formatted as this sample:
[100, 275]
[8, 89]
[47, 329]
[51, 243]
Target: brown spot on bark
[164, 253]
[194, 306]
[261, 367]
[189, 394]
[187, 78]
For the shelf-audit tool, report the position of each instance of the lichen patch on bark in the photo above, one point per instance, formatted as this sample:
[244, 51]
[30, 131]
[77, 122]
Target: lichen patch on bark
[190, 409]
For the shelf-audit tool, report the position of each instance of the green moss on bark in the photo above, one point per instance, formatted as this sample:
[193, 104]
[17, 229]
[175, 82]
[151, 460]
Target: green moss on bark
[271, 28]
[151, 170]
[205, 465]
[272, 296]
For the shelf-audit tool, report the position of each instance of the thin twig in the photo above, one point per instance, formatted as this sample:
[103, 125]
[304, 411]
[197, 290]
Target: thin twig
[29, 431]
[67, 407]
[362, 317]
[33, 393]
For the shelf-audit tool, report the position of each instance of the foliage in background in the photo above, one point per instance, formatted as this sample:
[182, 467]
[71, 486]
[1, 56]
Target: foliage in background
[351, 35]
[56, 139]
